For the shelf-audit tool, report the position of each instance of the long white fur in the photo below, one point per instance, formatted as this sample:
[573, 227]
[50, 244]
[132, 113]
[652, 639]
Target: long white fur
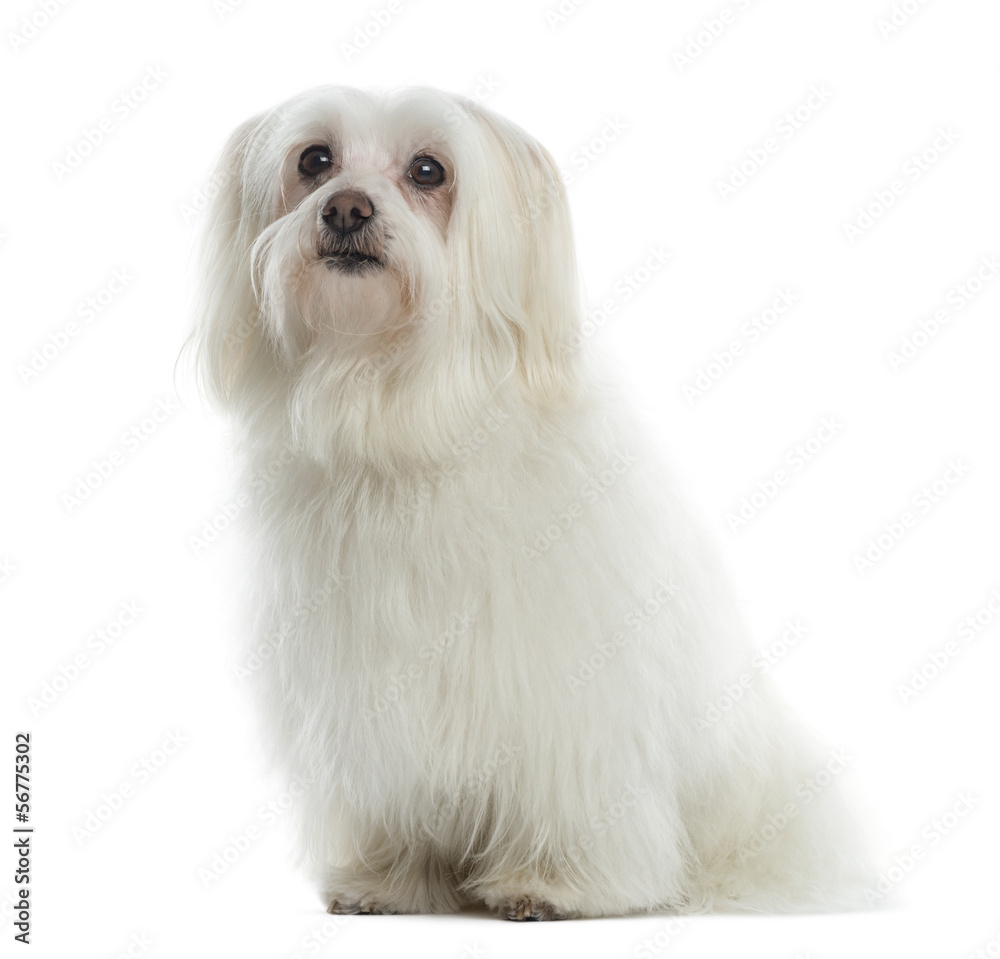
[459, 519]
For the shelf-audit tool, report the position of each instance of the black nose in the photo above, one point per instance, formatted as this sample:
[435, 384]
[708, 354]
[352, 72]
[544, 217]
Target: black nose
[346, 211]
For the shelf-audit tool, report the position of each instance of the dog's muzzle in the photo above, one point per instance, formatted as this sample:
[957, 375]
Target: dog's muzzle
[350, 239]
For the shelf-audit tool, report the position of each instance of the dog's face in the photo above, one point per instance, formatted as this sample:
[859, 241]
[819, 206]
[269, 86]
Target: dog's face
[379, 264]
[362, 196]
[405, 167]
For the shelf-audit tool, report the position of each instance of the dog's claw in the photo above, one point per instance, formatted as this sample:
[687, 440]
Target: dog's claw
[338, 908]
[531, 910]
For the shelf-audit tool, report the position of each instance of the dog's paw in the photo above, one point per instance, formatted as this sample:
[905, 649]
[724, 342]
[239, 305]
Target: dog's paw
[367, 907]
[529, 910]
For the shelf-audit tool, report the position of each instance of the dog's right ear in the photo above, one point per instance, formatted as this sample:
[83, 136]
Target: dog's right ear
[231, 351]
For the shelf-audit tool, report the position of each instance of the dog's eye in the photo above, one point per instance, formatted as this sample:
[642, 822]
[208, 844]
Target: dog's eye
[314, 161]
[426, 172]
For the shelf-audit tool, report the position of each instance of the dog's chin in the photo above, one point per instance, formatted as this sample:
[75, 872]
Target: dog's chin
[346, 298]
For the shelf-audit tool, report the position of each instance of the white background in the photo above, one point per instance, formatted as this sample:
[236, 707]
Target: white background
[646, 140]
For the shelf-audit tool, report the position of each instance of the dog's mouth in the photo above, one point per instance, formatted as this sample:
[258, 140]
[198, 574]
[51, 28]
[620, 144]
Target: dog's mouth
[350, 260]
[358, 252]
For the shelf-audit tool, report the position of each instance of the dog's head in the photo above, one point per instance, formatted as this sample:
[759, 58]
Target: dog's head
[378, 268]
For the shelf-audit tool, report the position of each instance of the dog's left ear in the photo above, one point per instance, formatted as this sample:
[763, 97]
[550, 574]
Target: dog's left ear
[510, 232]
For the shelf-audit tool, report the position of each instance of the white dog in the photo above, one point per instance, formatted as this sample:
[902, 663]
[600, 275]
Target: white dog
[496, 639]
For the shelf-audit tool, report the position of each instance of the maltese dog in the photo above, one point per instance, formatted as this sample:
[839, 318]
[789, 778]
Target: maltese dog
[500, 659]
